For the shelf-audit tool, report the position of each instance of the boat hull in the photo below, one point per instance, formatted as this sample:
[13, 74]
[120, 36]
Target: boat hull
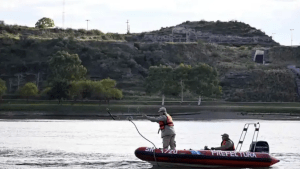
[205, 158]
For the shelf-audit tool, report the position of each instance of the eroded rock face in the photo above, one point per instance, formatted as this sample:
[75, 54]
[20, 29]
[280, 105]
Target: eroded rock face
[208, 37]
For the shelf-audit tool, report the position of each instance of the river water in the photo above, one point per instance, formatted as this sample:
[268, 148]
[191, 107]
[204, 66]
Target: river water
[111, 144]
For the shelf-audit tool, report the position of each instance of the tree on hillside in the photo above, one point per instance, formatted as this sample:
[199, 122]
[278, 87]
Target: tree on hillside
[66, 67]
[203, 80]
[74, 90]
[98, 90]
[86, 88]
[160, 80]
[81, 89]
[44, 23]
[109, 89]
[45, 92]
[29, 89]
[181, 74]
[59, 90]
[3, 88]
[104, 89]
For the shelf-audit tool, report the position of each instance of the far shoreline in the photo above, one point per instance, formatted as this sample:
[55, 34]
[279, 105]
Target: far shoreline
[197, 116]
[209, 110]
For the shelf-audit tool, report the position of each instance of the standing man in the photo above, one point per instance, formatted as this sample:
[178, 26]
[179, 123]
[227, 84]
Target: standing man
[166, 126]
[226, 144]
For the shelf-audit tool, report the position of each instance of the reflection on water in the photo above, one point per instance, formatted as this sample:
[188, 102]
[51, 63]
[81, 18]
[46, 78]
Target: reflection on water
[111, 144]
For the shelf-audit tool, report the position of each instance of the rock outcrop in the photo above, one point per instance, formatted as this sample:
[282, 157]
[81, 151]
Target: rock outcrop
[230, 33]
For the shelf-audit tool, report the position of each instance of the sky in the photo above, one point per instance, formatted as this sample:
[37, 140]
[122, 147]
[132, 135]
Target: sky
[274, 17]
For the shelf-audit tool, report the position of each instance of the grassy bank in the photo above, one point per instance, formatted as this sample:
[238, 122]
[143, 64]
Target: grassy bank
[151, 101]
[132, 107]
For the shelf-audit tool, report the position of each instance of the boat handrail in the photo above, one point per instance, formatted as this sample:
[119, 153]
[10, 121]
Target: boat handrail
[244, 132]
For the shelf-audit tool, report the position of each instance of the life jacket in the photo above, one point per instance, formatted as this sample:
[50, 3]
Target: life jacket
[224, 143]
[162, 124]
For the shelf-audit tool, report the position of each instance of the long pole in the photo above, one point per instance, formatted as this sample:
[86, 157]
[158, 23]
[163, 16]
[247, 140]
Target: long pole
[291, 37]
[87, 24]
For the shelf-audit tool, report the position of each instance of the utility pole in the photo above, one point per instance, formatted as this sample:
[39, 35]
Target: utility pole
[128, 27]
[87, 24]
[273, 35]
[291, 37]
[63, 15]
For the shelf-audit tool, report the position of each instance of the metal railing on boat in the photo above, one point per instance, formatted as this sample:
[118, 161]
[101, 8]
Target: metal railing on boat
[244, 133]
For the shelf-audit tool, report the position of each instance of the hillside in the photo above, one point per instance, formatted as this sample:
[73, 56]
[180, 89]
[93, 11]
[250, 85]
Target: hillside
[226, 33]
[25, 59]
[23, 32]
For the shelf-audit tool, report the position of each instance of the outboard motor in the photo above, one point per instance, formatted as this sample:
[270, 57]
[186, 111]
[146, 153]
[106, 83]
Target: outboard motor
[259, 146]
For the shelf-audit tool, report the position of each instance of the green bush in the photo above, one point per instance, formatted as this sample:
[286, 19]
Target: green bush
[227, 60]
[215, 54]
[202, 21]
[201, 42]
[29, 89]
[45, 91]
[243, 55]
[242, 48]
[104, 37]
[70, 30]
[3, 88]
[44, 23]
[250, 65]
[82, 31]
[96, 32]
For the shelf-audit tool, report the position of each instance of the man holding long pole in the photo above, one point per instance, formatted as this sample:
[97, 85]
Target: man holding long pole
[166, 126]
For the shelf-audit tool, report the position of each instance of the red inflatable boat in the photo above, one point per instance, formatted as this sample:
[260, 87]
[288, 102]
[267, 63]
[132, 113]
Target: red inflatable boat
[257, 156]
[204, 158]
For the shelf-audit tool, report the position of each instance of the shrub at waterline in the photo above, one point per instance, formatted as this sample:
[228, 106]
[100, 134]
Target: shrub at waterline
[200, 79]
[81, 89]
[203, 81]
[109, 89]
[161, 80]
[2, 88]
[104, 89]
[44, 93]
[29, 89]
[59, 90]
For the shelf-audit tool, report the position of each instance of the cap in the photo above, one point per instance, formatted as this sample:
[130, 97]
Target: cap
[162, 109]
[225, 135]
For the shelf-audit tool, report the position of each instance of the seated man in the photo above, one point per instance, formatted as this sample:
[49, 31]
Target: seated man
[226, 144]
